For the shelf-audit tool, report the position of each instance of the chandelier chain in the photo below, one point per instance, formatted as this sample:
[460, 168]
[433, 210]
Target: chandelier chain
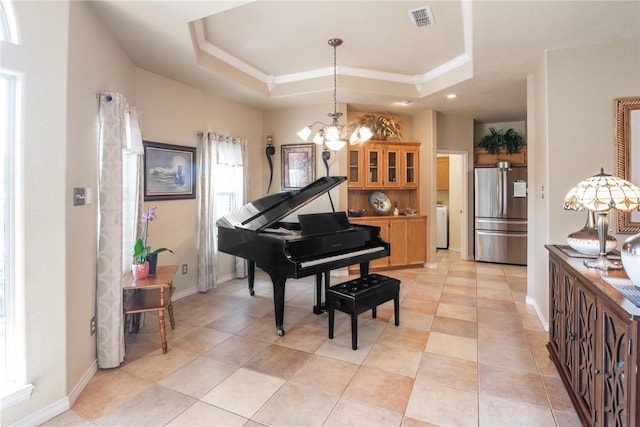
[335, 80]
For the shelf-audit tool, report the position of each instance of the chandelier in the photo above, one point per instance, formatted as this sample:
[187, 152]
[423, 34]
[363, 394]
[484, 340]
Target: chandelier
[335, 135]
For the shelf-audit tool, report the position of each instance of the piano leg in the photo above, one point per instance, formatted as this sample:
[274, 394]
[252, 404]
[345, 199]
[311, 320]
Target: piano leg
[321, 305]
[364, 269]
[278, 302]
[251, 274]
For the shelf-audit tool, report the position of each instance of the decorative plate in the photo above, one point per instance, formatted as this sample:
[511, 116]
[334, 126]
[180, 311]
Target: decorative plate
[379, 202]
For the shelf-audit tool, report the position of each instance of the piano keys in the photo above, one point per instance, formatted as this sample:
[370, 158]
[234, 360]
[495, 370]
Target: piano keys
[315, 245]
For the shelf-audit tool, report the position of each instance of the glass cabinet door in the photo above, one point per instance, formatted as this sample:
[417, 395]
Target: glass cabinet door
[392, 168]
[410, 167]
[373, 159]
[355, 168]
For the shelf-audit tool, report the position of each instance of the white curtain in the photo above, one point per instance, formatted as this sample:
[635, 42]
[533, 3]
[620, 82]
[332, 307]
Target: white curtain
[222, 188]
[119, 201]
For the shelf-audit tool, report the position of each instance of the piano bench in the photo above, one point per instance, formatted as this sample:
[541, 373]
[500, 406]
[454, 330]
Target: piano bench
[359, 295]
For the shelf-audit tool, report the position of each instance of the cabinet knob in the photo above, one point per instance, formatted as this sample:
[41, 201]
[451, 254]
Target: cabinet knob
[597, 371]
[572, 336]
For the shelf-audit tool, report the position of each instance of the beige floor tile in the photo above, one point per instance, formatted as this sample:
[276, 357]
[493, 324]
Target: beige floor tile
[450, 289]
[458, 327]
[202, 414]
[567, 419]
[453, 346]
[411, 319]
[448, 371]
[303, 338]
[502, 335]
[66, 419]
[381, 389]
[157, 365]
[352, 413]
[495, 411]
[453, 311]
[403, 337]
[496, 304]
[394, 359]
[461, 280]
[418, 305]
[411, 422]
[154, 406]
[243, 392]
[325, 373]
[190, 380]
[108, 389]
[233, 322]
[512, 384]
[237, 350]
[558, 395]
[455, 299]
[506, 356]
[442, 405]
[201, 340]
[340, 348]
[278, 361]
[297, 405]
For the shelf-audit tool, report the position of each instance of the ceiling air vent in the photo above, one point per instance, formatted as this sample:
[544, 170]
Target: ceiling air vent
[421, 16]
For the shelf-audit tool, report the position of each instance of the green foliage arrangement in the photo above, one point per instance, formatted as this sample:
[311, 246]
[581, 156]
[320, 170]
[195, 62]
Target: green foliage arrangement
[511, 140]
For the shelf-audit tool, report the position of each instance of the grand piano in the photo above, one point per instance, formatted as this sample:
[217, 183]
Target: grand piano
[315, 245]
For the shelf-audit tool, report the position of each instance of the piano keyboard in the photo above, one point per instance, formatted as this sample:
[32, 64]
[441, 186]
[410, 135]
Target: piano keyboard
[313, 262]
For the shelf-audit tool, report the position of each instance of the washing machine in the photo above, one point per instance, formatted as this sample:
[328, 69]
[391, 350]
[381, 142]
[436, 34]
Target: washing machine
[442, 225]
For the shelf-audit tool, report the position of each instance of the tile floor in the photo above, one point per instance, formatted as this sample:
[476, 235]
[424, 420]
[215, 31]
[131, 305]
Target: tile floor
[468, 352]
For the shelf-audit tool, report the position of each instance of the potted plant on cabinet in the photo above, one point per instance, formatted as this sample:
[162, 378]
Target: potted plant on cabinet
[501, 145]
[510, 140]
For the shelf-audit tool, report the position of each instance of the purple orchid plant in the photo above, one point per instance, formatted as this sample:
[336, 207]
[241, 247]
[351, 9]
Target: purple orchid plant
[140, 250]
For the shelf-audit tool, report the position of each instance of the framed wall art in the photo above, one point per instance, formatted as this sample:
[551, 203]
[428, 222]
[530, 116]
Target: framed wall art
[627, 132]
[169, 171]
[298, 165]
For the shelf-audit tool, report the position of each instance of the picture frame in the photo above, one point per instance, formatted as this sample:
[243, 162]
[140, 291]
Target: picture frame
[169, 171]
[298, 165]
[627, 137]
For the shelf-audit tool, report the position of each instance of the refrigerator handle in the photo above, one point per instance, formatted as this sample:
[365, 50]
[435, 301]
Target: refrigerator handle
[503, 189]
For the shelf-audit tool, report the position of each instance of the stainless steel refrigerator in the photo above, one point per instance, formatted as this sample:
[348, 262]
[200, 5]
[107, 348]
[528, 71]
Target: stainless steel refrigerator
[501, 214]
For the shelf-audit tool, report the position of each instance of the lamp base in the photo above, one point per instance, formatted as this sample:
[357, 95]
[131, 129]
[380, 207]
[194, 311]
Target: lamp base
[602, 263]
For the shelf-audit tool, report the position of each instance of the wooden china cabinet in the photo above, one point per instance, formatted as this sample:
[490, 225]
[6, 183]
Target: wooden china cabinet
[392, 168]
[593, 341]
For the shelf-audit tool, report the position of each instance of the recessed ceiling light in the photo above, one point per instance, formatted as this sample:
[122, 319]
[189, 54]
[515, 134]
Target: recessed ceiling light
[451, 96]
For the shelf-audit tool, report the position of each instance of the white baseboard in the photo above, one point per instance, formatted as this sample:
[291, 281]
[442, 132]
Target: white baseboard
[532, 302]
[45, 414]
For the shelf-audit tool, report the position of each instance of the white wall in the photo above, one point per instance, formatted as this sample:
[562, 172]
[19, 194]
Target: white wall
[574, 136]
[173, 113]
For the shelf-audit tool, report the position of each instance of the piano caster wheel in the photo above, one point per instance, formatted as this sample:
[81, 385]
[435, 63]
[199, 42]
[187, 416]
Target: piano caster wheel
[252, 292]
[281, 332]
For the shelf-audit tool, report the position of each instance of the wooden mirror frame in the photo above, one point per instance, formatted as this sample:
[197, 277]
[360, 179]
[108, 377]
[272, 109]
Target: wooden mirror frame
[627, 113]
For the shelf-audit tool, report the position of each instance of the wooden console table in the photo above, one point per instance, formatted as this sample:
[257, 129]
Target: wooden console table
[152, 294]
[594, 341]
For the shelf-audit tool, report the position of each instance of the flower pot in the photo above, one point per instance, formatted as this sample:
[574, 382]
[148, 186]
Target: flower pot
[140, 271]
[153, 262]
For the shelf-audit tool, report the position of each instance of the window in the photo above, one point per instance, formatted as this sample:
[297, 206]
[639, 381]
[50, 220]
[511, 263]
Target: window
[7, 101]
[12, 369]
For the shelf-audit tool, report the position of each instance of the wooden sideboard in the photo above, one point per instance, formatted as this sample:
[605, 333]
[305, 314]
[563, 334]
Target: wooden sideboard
[593, 341]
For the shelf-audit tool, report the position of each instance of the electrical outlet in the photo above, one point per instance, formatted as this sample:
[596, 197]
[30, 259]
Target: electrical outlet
[92, 325]
[184, 268]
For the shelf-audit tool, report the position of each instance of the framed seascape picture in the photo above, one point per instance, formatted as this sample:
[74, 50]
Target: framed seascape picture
[169, 171]
[298, 165]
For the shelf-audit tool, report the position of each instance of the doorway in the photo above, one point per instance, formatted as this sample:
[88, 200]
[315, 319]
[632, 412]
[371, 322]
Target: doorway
[455, 197]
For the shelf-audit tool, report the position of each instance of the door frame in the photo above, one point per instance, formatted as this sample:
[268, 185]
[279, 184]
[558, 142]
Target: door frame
[466, 175]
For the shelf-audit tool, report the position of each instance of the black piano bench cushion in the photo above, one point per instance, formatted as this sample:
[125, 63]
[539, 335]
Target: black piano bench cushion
[359, 295]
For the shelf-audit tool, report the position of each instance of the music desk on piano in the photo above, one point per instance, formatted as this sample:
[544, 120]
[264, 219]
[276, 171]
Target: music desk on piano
[315, 245]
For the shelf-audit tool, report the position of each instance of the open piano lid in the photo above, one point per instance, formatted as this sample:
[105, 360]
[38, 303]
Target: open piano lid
[264, 212]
